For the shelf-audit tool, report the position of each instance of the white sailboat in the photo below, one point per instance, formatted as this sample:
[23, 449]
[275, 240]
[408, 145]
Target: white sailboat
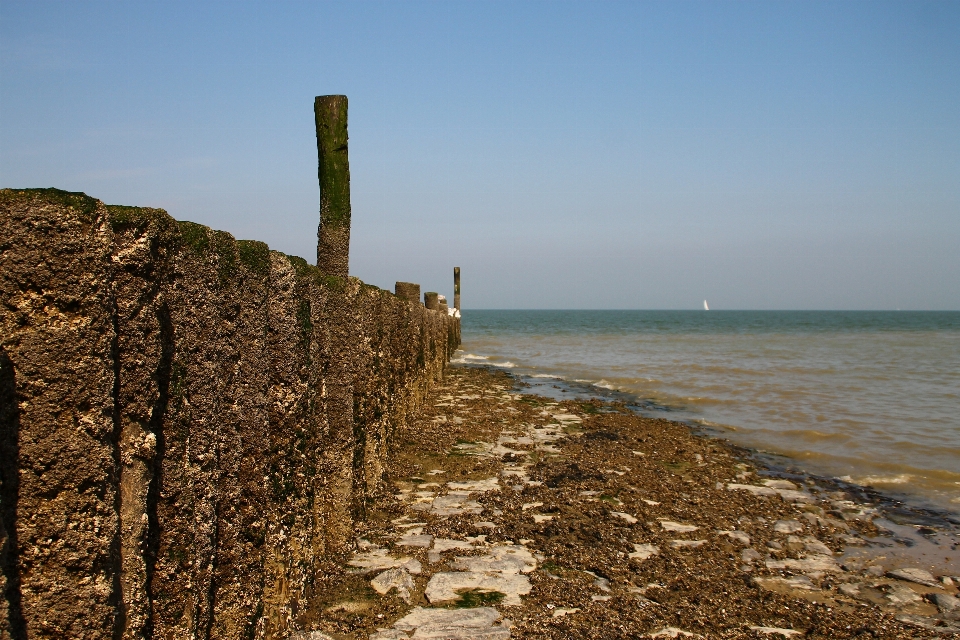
[706, 307]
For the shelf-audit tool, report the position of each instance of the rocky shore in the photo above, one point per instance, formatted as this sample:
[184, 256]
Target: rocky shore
[516, 516]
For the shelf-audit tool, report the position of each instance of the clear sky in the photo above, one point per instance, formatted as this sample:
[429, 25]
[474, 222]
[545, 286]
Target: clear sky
[760, 155]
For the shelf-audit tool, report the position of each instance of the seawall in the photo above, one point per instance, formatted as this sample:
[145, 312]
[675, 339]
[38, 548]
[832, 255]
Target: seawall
[190, 425]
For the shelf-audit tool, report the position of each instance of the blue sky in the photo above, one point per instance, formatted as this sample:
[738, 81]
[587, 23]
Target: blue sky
[771, 155]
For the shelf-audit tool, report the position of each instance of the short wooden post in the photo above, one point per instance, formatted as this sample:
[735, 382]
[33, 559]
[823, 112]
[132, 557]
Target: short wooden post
[333, 234]
[431, 300]
[408, 291]
[456, 288]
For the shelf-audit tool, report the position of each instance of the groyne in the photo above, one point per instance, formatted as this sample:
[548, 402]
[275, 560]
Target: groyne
[190, 425]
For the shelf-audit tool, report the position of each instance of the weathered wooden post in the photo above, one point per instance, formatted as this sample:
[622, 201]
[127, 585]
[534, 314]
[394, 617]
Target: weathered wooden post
[333, 234]
[456, 288]
[335, 504]
[431, 300]
[408, 291]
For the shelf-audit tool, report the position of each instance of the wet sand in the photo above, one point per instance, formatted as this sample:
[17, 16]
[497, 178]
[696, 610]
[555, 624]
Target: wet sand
[515, 515]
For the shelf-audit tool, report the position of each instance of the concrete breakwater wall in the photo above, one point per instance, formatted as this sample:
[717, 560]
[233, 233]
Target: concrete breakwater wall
[190, 425]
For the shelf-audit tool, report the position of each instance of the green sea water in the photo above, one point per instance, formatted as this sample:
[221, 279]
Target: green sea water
[871, 397]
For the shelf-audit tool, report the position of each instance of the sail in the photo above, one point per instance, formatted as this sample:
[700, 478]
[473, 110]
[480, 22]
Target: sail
[706, 307]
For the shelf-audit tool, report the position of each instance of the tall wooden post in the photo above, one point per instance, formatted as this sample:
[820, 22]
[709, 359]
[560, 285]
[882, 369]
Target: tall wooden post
[333, 234]
[456, 288]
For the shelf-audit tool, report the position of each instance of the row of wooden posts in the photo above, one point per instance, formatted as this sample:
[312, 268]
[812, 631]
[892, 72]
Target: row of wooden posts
[333, 234]
[431, 299]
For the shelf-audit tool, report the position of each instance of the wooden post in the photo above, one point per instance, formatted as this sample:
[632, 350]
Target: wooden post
[431, 300]
[456, 288]
[408, 291]
[333, 234]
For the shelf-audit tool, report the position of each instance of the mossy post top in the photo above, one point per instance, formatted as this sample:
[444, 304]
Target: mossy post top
[333, 234]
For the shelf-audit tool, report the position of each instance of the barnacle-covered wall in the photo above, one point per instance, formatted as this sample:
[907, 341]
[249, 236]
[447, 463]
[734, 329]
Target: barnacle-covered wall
[190, 425]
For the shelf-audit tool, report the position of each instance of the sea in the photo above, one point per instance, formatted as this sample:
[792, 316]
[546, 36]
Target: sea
[869, 397]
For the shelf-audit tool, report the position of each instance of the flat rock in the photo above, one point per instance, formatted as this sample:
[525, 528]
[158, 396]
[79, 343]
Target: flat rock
[682, 544]
[810, 564]
[930, 624]
[737, 536]
[900, 595]
[415, 540]
[918, 576]
[446, 544]
[769, 631]
[470, 618]
[452, 504]
[779, 484]
[750, 556]
[446, 586]
[786, 585]
[812, 545]
[643, 551]
[503, 559]
[678, 527]
[790, 495]
[397, 578]
[754, 489]
[947, 605]
[377, 558]
[488, 484]
[625, 516]
[447, 624]
[787, 526]
[673, 632]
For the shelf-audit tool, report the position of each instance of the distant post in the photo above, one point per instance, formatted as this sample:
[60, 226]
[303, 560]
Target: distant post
[333, 234]
[456, 288]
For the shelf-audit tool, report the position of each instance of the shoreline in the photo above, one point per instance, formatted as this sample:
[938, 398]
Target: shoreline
[527, 517]
[908, 508]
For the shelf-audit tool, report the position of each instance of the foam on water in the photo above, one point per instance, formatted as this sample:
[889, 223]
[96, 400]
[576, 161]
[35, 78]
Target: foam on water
[870, 395]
